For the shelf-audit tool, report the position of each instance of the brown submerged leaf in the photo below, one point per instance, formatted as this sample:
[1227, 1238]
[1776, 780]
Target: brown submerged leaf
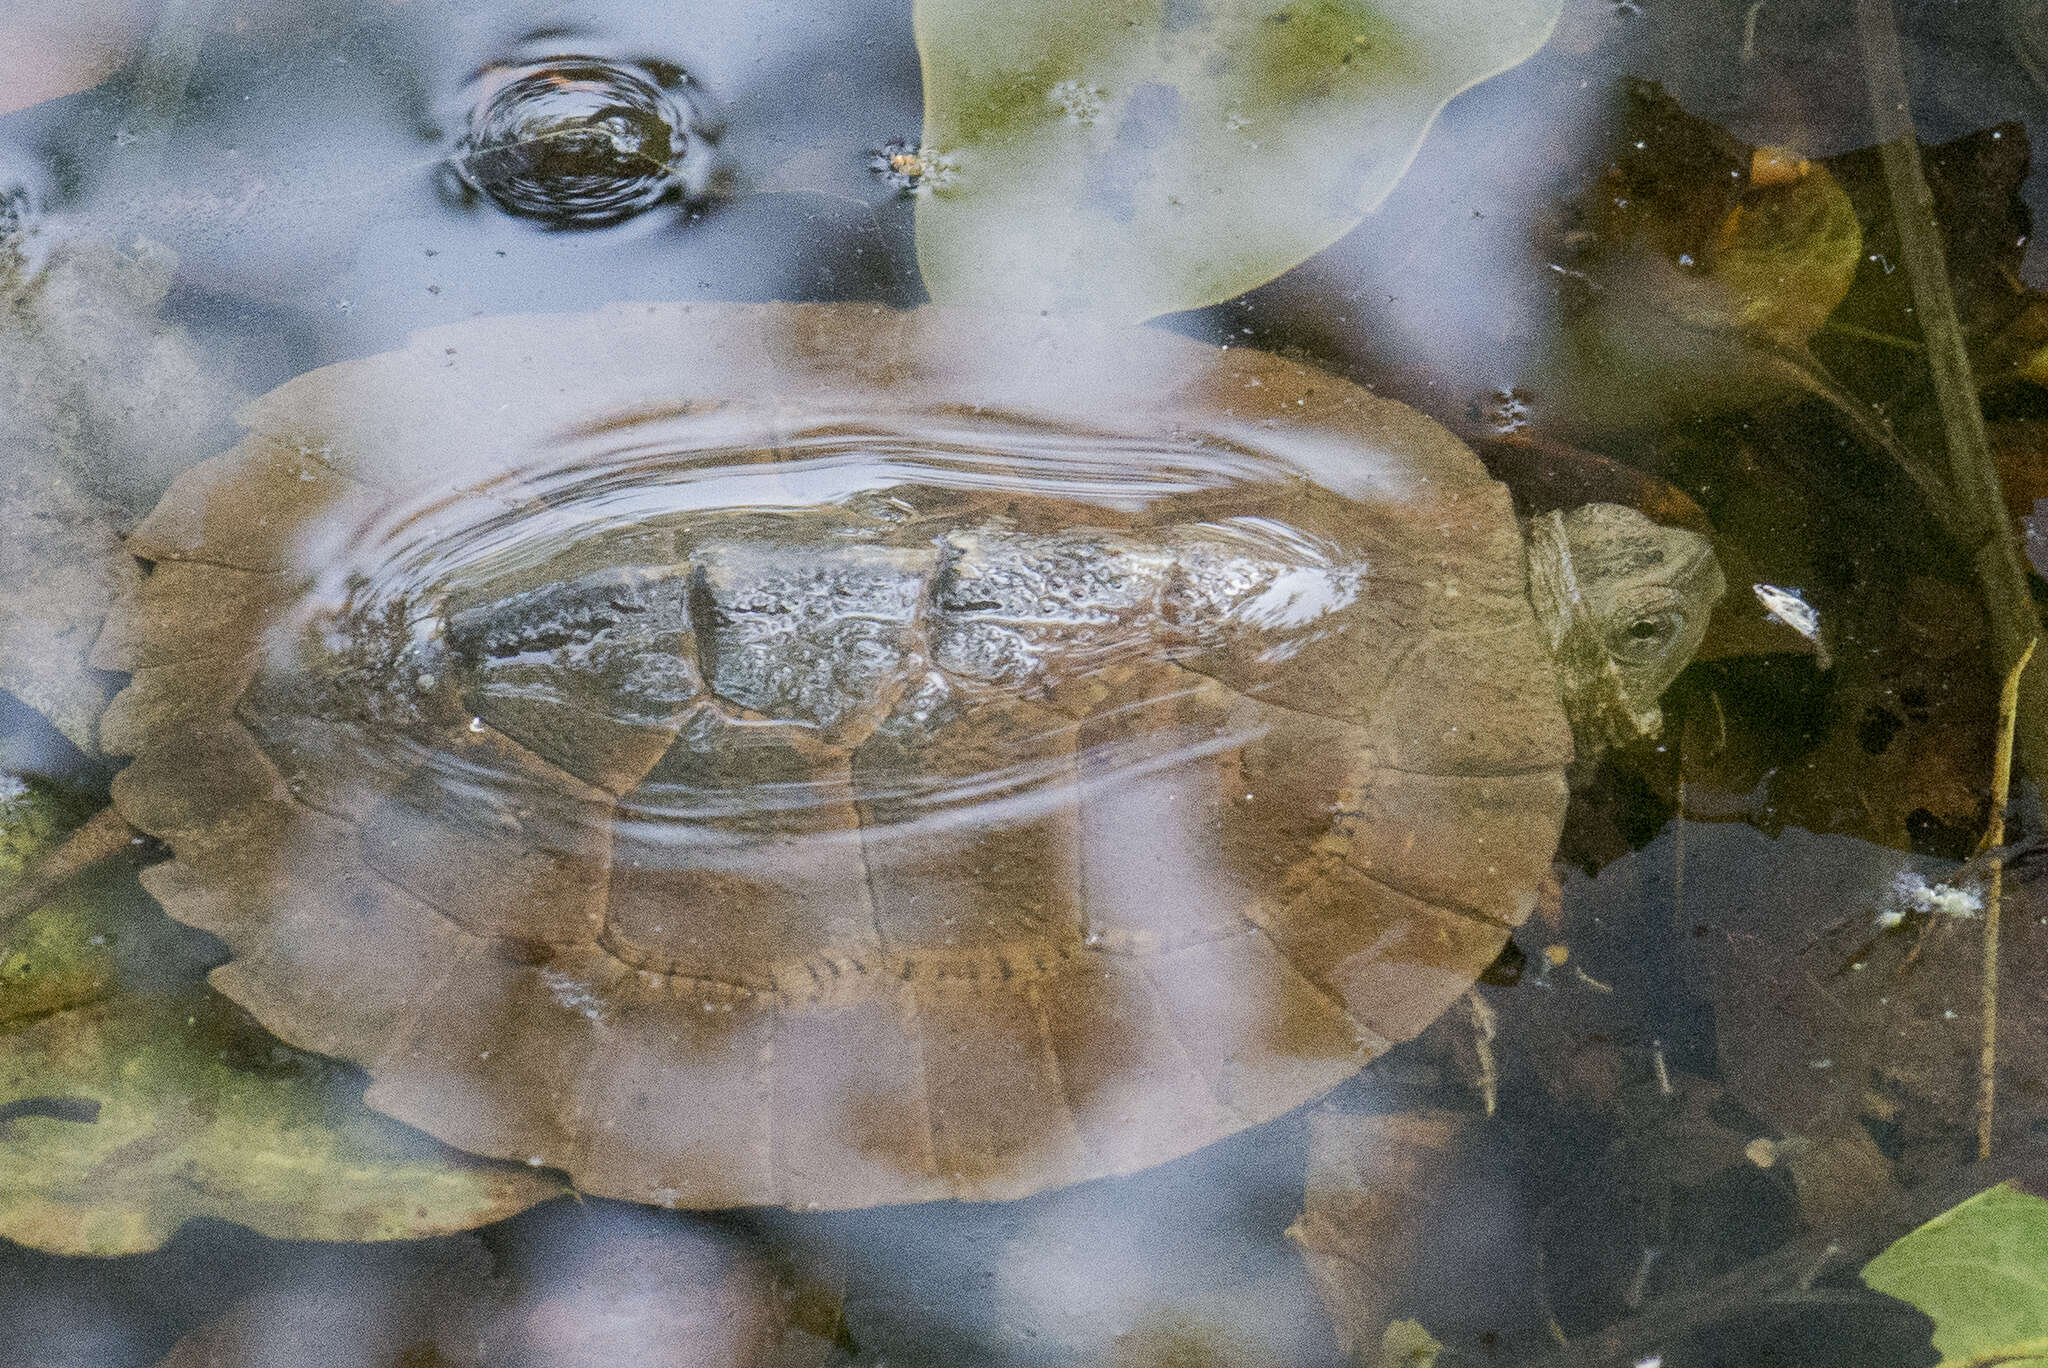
[1691, 271]
[1372, 1183]
[94, 385]
[1844, 979]
[1721, 235]
[61, 567]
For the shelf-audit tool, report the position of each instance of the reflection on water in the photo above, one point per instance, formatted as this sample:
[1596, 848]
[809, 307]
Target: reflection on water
[573, 698]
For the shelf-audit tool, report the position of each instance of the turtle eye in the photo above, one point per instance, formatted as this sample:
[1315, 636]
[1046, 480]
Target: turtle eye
[1647, 636]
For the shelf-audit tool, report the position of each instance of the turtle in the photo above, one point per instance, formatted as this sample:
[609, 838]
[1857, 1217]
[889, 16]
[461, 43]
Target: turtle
[825, 755]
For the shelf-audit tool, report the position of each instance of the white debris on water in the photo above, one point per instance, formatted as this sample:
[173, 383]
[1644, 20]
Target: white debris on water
[1912, 892]
[913, 168]
[1790, 607]
[1076, 101]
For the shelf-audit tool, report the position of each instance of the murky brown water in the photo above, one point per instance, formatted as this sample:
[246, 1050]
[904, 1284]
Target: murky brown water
[672, 827]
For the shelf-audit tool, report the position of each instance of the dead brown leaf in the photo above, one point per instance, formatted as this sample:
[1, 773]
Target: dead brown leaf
[61, 567]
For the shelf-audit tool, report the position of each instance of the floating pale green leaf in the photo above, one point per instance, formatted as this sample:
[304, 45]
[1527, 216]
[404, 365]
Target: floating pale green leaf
[121, 1120]
[1980, 1272]
[1128, 158]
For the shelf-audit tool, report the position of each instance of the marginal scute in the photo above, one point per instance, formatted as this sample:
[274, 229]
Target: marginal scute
[1394, 961]
[217, 611]
[851, 1117]
[832, 843]
[676, 1097]
[300, 942]
[490, 1057]
[1393, 828]
[209, 793]
[1131, 1086]
[165, 698]
[999, 1117]
[1264, 1035]
[205, 516]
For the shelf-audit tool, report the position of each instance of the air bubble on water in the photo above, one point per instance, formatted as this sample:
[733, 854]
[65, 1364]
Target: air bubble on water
[580, 141]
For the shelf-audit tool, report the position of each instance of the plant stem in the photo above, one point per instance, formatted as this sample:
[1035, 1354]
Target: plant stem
[1994, 888]
[1977, 506]
[157, 92]
[1872, 335]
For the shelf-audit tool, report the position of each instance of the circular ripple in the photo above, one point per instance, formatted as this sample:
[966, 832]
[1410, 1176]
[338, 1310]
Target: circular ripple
[582, 142]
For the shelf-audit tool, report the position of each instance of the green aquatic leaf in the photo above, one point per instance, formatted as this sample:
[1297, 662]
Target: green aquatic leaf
[1786, 254]
[133, 1098]
[33, 818]
[1129, 158]
[121, 1120]
[1407, 1345]
[1980, 1272]
[61, 955]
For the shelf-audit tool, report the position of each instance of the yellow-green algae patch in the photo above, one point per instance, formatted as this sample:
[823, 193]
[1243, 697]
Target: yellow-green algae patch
[125, 1118]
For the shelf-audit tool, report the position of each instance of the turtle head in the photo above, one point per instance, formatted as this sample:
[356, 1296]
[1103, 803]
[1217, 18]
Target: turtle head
[1623, 602]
